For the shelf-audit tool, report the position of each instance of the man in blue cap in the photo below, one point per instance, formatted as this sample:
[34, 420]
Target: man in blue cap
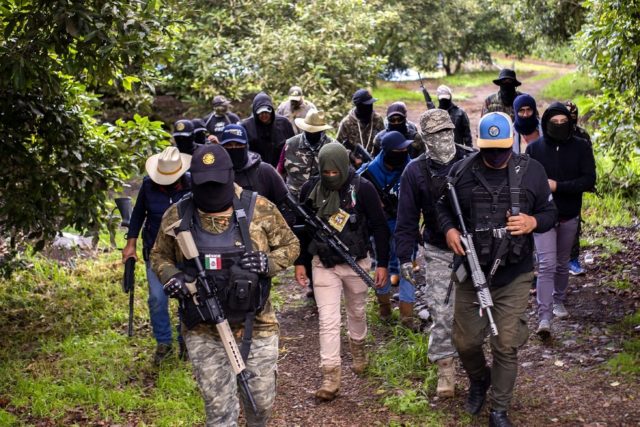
[384, 172]
[504, 197]
[360, 126]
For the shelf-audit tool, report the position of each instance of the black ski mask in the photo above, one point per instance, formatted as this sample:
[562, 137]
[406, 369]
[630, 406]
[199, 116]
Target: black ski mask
[213, 197]
[364, 112]
[559, 132]
[398, 123]
[200, 137]
[444, 103]
[239, 156]
[396, 159]
[313, 138]
[507, 93]
[495, 157]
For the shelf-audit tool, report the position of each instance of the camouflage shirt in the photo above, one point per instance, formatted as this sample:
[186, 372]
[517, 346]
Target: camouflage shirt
[269, 233]
[352, 132]
[301, 161]
[494, 104]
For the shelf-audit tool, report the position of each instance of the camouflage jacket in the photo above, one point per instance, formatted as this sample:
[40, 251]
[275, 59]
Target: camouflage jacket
[493, 103]
[301, 161]
[351, 132]
[269, 233]
[284, 109]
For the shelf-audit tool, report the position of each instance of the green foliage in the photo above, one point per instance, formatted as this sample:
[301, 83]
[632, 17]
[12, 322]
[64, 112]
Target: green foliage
[326, 47]
[609, 47]
[627, 362]
[572, 86]
[550, 22]
[65, 330]
[563, 53]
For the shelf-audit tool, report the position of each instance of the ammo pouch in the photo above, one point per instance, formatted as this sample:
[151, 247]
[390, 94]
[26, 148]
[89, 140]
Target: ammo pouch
[241, 295]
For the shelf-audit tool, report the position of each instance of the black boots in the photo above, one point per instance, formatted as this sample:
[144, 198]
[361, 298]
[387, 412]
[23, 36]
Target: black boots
[499, 419]
[477, 393]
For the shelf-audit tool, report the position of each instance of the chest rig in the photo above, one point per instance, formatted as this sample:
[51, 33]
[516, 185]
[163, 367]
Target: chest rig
[354, 234]
[240, 292]
[490, 206]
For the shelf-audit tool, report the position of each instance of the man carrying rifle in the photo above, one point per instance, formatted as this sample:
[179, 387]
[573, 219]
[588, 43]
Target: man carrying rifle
[167, 181]
[241, 240]
[503, 197]
[349, 205]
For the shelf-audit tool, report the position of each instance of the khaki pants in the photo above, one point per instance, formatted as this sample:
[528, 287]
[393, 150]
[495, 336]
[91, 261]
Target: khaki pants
[328, 286]
[470, 330]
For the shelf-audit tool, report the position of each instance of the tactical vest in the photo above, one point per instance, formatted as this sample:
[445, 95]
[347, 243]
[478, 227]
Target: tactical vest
[354, 234]
[239, 291]
[489, 206]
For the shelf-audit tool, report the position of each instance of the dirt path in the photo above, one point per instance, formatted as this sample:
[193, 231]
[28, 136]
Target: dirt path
[564, 382]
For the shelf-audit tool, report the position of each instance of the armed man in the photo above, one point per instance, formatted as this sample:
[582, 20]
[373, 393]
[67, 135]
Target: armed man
[350, 209]
[423, 183]
[232, 241]
[503, 198]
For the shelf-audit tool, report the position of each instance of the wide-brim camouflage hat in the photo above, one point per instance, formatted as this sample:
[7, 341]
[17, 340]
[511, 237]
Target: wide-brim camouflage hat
[435, 120]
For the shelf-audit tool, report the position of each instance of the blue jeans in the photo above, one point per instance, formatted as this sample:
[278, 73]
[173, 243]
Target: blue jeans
[407, 291]
[159, 309]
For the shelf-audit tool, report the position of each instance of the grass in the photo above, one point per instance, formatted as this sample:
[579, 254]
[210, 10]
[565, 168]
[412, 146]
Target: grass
[388, 92]
[627, 362]
[574, 86]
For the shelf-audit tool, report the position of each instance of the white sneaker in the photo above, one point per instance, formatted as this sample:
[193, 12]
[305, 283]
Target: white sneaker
[559, 311]
[544, 329]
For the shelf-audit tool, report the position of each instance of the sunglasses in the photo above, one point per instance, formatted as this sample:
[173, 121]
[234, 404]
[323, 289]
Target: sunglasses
[396, 120]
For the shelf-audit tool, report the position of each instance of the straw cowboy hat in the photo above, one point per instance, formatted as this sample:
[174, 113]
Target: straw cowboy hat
[313, 122]
[167, 167]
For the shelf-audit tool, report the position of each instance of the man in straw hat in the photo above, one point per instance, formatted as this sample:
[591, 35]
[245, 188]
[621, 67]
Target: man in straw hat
[296, 107]
[299, 160]
[503, 197]
[167, 181]
[240, 239]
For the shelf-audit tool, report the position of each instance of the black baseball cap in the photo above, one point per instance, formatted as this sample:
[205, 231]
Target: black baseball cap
[211, 163]
[363, 96]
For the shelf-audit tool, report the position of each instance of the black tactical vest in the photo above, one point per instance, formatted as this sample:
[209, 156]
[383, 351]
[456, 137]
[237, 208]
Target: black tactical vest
[354, 234]
[239, 291]
[489, 207]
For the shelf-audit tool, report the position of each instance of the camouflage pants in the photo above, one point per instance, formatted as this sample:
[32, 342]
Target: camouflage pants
[438, 276]
[218, 383]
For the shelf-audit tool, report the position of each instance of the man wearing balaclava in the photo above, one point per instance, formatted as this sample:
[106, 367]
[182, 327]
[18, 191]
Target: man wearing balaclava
[220, 116]
[251, 173]
[360, 126]
[462, 131]
[266, 130]
[299, 159]
[397, 121]
[570, 167]
[502, 101]
[350, 205]
[296, 107]
[242, 241]
[527, 124]
[503, 198]
[183, 136]
[384, 173]
[575, 269]
[422, 184]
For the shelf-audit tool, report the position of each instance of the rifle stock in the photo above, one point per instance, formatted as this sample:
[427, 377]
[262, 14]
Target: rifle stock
[324, 233]
[477, 275]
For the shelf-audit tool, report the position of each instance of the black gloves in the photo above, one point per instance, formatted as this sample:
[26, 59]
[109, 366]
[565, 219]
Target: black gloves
[256, 262]
[176, 287]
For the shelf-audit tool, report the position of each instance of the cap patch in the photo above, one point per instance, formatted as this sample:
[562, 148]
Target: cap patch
[494, 131]
[208, 159]
[180, 127]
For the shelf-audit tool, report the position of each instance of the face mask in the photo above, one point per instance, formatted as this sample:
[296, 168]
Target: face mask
[313, 138]
[220, 111]
[396, 159]
[495, 157]
[507, 93]
[200, 137]
[331, 182]
[295, 105]
[239, 157]
[441, 146]
[559, 132]
[364, 112]
[526, 125]
[444, 104]
[212, 196]
[400, 125]
[184, 143]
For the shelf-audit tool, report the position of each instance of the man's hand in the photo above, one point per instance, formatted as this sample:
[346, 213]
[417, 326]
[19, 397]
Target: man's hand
[453, 241]
[553, 185]
[129, 250]
[256, 262]
[521, 224]
[176, 287]
[406, 271]
[381, 276]
[301, 275]
[212, 139]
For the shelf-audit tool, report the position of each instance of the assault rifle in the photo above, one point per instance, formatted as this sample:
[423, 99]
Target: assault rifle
[324, 233]
[425, 93]
[477, 275]
[206, 298]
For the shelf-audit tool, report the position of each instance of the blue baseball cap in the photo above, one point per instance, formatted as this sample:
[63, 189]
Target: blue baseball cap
[394, 140]
[495, 130]
[233, 133]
